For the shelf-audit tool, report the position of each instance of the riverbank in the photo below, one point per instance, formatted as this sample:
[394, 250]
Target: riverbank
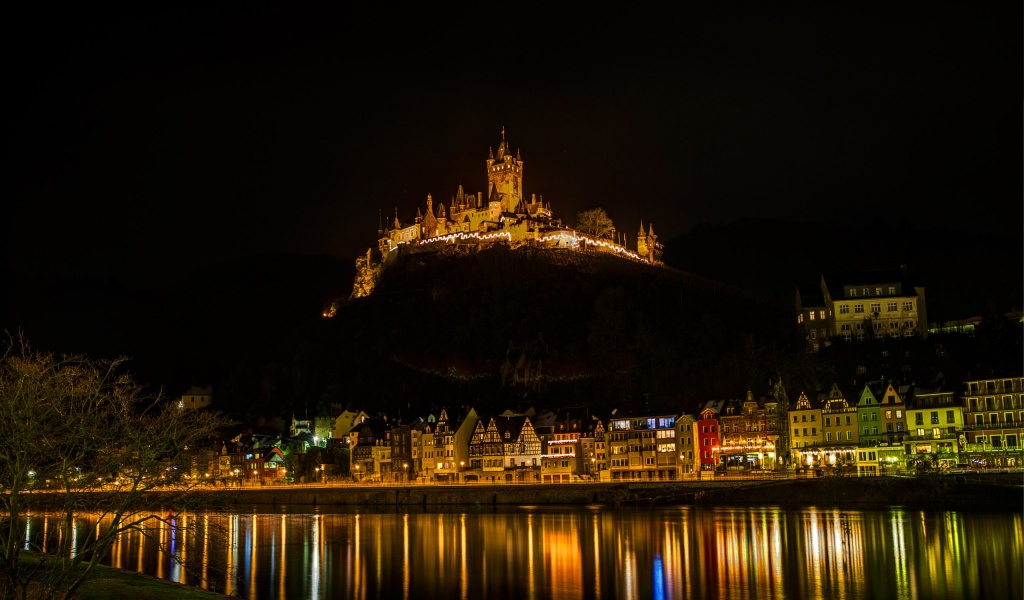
[935, 492]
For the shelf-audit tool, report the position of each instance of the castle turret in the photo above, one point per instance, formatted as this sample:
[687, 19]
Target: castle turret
[647, 244]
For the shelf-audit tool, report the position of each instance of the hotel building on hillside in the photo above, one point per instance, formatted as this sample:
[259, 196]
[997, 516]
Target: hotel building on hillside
[861, 305]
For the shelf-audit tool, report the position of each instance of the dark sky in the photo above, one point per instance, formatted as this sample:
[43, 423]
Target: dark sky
[141, 145]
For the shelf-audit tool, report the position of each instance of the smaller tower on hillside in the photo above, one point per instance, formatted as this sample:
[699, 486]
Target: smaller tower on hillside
[647, 244]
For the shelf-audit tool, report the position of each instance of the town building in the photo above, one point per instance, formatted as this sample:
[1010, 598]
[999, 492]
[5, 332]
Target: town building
[562, 458]
[749, 434]
[805, 423]
[934, 424]
[862, 305]
[708, 436]
[642, 447]
[993, 422]
[840, 435]
[592, 440]
[686, 430]
[869, 414]
[371, 455]
[451, 444]
[197, 396]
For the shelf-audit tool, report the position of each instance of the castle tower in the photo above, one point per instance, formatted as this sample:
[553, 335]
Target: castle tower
[647, 244]
[505, 174]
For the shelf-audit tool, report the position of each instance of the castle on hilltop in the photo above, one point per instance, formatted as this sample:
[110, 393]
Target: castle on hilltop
[504, 215]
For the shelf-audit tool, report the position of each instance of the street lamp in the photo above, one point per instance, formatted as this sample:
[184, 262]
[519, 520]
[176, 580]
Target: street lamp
[462, 466]
[357, 472]
[323, 472]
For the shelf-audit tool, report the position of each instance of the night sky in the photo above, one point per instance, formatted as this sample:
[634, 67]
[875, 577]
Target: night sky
[142, 145]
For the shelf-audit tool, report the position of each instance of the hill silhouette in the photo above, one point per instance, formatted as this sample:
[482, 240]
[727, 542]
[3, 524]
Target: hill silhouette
[505, 328]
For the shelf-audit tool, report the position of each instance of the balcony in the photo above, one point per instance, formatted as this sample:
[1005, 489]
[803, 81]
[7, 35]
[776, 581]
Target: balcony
[991, 426]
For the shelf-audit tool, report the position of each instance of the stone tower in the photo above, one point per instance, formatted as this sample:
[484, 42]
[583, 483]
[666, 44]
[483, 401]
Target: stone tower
[505, 175]
[647, 244]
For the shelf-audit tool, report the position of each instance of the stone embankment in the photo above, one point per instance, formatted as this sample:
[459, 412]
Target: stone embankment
[852, 492]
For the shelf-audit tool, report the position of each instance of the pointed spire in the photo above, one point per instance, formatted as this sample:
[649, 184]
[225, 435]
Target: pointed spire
[642, 227]
[398, 225]
[650, 230]
[490, 152]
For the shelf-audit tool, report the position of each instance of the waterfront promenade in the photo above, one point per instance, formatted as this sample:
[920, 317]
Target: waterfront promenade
[945, 491]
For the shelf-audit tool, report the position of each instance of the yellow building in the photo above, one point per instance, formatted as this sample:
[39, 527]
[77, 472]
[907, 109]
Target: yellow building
[805, 423]
[839, 426]
[933, 427]
[862, 305]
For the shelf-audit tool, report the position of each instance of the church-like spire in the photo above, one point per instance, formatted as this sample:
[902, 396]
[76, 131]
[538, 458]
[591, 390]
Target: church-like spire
[398, 225]
[642, 232]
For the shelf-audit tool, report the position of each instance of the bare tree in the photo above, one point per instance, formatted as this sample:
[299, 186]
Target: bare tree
[596, 222]
[80, 436]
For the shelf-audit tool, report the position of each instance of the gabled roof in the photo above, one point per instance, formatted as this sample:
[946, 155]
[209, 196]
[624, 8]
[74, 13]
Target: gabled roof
[512, 425]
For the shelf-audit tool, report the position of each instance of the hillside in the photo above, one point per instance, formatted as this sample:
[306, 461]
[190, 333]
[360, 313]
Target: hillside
[503, 326]
[501, 329]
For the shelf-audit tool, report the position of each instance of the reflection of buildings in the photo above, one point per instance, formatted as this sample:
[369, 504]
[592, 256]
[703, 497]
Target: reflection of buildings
[675, 553]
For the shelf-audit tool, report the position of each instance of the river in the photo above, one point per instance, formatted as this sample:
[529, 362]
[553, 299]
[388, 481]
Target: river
[536, 552]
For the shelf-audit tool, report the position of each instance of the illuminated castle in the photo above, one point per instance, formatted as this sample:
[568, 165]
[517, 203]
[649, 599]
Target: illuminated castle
[503, 216]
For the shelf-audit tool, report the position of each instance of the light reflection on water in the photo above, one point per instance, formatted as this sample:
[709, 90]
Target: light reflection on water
[576, 552]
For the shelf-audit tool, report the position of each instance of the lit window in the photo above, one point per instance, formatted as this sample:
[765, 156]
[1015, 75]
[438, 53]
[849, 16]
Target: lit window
[811, 315]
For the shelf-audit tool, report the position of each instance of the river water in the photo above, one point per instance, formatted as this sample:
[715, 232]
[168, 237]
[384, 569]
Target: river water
[536, 552]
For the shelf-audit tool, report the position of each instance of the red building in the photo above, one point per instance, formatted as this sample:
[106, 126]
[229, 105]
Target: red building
[708, 436]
